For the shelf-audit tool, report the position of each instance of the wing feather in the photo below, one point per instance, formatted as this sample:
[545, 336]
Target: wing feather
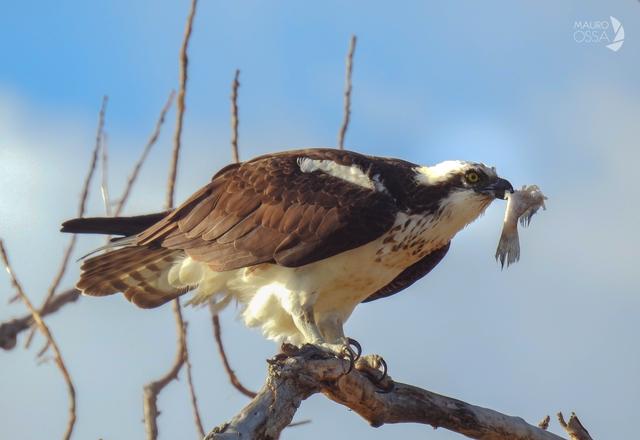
[268, 210]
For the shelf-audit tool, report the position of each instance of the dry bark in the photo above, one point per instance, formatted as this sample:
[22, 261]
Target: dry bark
[574, 428]
[296, 374]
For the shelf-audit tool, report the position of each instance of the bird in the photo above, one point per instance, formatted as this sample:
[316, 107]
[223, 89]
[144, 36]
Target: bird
[297, 238]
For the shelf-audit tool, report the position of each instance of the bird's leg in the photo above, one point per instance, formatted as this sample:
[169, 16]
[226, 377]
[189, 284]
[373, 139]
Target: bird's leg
[373, 365]
[328, 334]
[331, 326]
[306, 324]
[305, 321]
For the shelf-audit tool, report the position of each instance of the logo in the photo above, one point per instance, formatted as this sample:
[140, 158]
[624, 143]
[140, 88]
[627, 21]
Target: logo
[603, 32]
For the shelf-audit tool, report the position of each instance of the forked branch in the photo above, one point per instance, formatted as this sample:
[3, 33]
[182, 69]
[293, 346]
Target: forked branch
[217, 334]
[153, 389]
[180, 105]
[215, 320]
[143, 157]
[299, 373]
[37, 318]
[10, 330]
[82, 204]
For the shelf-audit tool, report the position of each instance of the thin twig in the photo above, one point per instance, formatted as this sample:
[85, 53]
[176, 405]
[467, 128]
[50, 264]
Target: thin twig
[147, 149]
[180, 104]
[47, 334]
[83, 199]
[29, 338]
[94, 158]
[217, 330]
[223, 355]
[104, 186]
[9, 330]
[234, 117]
[152, 389]
[81, 209]
[347, 93]
[192, 391]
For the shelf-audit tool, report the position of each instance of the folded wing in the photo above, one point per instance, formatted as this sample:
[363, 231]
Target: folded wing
[269, 210]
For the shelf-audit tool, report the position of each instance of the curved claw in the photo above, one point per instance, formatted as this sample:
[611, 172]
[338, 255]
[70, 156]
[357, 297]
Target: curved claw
[390, 386]
[347, 352]
[358, 347]
[376, 369]
[385, 369]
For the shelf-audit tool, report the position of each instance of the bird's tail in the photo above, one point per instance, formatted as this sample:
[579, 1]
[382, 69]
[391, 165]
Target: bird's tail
[112, 225]
[140, 273]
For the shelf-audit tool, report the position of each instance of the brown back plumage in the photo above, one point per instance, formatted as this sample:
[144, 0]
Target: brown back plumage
[266, 210]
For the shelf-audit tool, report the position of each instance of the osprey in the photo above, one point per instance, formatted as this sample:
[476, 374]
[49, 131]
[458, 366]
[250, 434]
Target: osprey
[297, 238]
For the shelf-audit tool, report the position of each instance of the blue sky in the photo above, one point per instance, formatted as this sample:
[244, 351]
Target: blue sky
[500, 82]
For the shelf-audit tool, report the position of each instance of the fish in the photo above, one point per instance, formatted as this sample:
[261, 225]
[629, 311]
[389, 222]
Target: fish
[522, 205]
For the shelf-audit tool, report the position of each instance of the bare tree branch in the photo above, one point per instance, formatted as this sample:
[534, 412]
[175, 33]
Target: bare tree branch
[192, 392]
[104, 185]
[217, 334]
[81, 210]
[83, 200]
[215, 320]
[234, 117]
[145, 153]
[9, 330]
[152, 389]
[180, 103]
[574, 428]
[94, 158]
[37, 318]
[347, 93]
[296, 374]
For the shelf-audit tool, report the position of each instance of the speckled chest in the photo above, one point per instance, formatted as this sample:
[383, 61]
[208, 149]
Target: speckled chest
[409, 240]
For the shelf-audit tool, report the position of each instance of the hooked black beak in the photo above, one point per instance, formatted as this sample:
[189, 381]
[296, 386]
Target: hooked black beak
[498, 188]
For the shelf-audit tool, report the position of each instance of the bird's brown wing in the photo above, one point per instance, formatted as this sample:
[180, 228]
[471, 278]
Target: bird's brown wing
[411, 274]
[268, 210]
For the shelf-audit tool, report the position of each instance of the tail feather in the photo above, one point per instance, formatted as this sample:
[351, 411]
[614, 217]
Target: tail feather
[125, 259]
[148, 297]
[112, 225]
[141, 273]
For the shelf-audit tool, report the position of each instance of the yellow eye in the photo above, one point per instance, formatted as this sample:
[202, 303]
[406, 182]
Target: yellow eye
[472, 177]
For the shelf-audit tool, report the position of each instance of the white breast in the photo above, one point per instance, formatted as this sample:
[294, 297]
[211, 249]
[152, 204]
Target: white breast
[334, 285]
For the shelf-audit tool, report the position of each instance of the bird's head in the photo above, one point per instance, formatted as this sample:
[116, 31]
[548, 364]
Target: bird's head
[465, 188]
[475, 180]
